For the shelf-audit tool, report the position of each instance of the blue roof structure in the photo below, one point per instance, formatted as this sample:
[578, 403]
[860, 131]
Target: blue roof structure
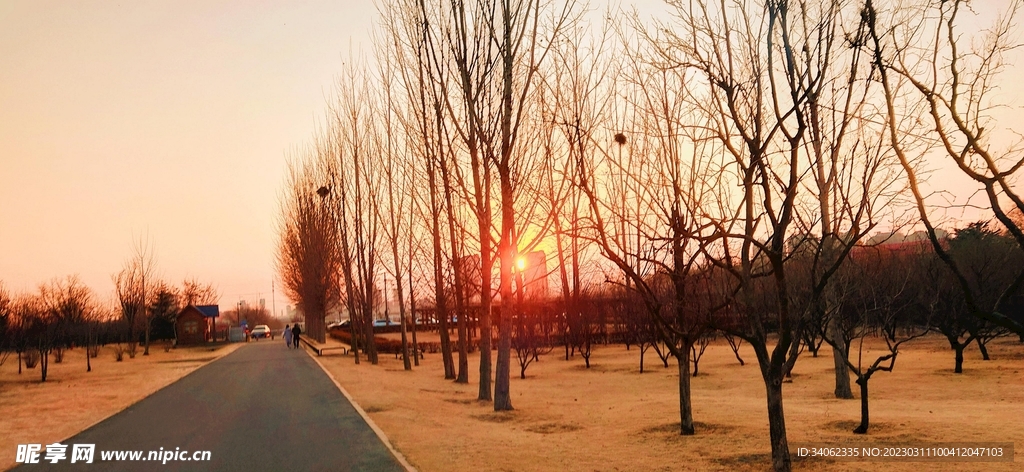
[209, 311]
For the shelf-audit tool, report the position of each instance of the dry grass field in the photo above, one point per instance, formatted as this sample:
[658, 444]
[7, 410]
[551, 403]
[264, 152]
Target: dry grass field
[612, 418]
[71, 399]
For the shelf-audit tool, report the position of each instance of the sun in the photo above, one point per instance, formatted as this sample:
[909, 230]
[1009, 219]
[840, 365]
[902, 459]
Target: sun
[521, 263]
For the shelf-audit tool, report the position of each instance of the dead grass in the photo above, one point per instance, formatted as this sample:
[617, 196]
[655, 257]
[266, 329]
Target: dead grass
[72, 399]
[612, 418]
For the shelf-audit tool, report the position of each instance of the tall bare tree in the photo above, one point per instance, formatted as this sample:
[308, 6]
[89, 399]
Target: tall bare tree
[308, 258]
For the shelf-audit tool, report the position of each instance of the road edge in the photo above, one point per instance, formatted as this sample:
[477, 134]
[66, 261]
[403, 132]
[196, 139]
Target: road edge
[236, 346]
[376, 429]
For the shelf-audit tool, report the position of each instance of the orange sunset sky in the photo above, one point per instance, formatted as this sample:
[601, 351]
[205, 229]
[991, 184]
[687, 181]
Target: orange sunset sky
[120, 120]
[169, 121]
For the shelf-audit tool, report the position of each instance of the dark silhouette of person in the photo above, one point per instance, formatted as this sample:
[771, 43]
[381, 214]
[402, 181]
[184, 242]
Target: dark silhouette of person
[296, 331]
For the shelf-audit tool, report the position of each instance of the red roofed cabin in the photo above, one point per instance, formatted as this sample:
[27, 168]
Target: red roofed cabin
[195, 324]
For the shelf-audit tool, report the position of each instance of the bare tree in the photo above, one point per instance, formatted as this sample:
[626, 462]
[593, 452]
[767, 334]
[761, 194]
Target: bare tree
[882, 305]
[400, 185]
[72, 304]
[193, 292]
[951, 69]
[131, 290]
[668, 268]
[39, 332]
[764, 74]
[346, 153]
[7, 328]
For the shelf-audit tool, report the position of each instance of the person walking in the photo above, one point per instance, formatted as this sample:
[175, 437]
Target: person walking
[296, 331]
[287, 337]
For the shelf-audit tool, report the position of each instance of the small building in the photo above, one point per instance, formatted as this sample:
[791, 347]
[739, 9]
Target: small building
[195, 324]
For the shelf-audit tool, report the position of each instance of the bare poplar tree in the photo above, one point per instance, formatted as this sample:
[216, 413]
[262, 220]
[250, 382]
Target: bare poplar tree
[400, 183]
[348, 159]
[308, 257]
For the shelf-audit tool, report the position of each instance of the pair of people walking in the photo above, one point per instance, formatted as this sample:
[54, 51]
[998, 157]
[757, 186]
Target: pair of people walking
[291, 336]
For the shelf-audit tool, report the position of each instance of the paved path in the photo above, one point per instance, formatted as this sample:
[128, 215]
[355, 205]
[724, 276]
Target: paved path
[262, 407]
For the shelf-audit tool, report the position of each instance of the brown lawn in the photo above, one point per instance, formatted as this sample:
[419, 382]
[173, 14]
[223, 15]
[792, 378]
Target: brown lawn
[612, 418]
[71, 399]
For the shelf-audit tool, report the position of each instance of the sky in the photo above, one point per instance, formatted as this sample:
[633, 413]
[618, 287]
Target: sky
[161, 121]
[168, 122]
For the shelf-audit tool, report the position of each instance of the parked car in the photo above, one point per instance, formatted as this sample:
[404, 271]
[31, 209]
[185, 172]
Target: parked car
[338, 324]
[260, 331]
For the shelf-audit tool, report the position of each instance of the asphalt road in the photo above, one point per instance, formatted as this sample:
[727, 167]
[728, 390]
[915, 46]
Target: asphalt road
[262, 407]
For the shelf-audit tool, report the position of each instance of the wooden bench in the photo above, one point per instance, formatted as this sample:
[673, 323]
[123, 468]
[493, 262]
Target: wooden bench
[320, 350]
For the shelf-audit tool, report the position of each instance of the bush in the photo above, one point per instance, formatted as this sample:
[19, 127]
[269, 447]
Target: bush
[384, 345]
[119, 352]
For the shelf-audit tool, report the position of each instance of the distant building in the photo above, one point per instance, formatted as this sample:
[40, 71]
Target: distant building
[195, 324]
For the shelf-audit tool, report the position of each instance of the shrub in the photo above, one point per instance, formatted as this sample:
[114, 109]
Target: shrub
[384, 345]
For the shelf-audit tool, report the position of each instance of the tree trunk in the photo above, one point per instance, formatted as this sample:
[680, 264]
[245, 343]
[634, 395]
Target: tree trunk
[405, 343]
[412, 313]
[794, 352]
[983, 349]
[446, 346]
[863, 428]
[145, 351]
[484, 390]
[370, 346]
[734, 344]
[415, 344]
[502, 394]
[843, 390]
[685, 410]
[353, 324]
[959, 369]
[44, 362]
[463, 374]
[777, 422]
